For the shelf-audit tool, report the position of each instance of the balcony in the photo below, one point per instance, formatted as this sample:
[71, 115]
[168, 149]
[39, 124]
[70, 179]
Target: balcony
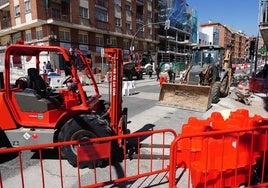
[264, 32]
[56, 14]
[139, 18]
[101, 3]
[263, 25]
[118, 29]
[129, 31]
[3, 2]
[102, 25]
[6, 23]
[140, 2]
[84, 21]
[140, 34]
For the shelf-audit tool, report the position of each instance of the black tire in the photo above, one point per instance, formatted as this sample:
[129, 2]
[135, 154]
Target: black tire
[102, 107]
[4, 143]
[215, 92]
[224, 88]
[84, 126]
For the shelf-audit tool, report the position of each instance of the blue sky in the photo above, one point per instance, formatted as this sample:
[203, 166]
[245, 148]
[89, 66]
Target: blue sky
[238, 14]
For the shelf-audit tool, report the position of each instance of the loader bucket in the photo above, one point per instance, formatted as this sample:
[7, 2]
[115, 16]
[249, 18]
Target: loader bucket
[190, 97]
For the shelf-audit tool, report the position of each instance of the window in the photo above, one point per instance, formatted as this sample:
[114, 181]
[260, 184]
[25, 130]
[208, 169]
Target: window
[117, 22]
[149, 3]
[117, 2]
[99, 41]
[65, 36]
[39, 34]
[149, 14]
[101, 15]
[28, 36]
[65, 8]
[126, 44]
[113, 41]
[27, 5]
[150, 32]
[128, 26]
[128, 6]
[83, 12]
[83, 38]
[17, 10]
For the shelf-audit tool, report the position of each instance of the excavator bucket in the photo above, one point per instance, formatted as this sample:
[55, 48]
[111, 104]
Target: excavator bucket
[190, 97]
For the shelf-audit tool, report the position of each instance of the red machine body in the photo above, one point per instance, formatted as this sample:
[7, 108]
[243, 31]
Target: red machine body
[11, 111]
[33, 113]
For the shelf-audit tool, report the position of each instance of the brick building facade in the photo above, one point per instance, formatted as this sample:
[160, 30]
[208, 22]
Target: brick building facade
[228, 36]
[89, 25]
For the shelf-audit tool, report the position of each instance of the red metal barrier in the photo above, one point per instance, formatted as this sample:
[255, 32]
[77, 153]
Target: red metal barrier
[258, 85]
[208, 153]
[42, 170]
[221, 153]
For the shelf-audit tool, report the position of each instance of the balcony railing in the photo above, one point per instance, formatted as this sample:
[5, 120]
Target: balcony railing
[129, 31]
[141, 2]
[84, 21]
[101, 3]
[5, 23]
[139, 18]
[56, 14]
[118, 29]
[264, 24]
[102, 25]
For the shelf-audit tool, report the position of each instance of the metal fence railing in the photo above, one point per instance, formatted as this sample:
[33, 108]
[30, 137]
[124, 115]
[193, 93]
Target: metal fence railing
[214, 152]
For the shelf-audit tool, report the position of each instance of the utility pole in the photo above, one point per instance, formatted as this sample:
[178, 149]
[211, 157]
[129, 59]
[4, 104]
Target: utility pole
[251, 53]
[256, 55]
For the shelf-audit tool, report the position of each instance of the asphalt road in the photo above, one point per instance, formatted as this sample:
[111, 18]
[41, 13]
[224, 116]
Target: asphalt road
[143, 110]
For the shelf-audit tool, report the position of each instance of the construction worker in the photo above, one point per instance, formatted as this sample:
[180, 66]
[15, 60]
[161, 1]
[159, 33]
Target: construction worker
[150, 72]
[157, 70]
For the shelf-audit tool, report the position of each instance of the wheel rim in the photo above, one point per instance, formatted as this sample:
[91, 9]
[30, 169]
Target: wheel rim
[81, 135]
[224, 86]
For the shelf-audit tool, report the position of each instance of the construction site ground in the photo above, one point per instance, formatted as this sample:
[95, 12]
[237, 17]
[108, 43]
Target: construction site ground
[144, 114]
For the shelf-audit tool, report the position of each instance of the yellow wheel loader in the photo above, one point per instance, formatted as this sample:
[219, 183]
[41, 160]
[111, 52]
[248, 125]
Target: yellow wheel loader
[207, 78]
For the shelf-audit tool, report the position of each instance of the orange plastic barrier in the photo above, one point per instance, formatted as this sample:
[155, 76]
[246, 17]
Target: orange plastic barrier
[220, 153]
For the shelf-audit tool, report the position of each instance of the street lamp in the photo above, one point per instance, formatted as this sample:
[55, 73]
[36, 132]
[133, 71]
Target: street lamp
[167, 25]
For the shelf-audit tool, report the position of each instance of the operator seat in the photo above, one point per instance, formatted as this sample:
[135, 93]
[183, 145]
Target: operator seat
[36, 82]
[21, 83]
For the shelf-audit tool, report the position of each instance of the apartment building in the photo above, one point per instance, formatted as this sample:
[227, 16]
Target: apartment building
[176, 41]
[227, 35]
[89, 25]
[208, 36]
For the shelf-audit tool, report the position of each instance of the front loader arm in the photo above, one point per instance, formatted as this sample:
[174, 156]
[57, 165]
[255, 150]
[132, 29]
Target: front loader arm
[227, 62]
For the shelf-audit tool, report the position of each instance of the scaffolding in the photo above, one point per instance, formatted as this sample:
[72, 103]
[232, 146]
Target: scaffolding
[176, 42]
